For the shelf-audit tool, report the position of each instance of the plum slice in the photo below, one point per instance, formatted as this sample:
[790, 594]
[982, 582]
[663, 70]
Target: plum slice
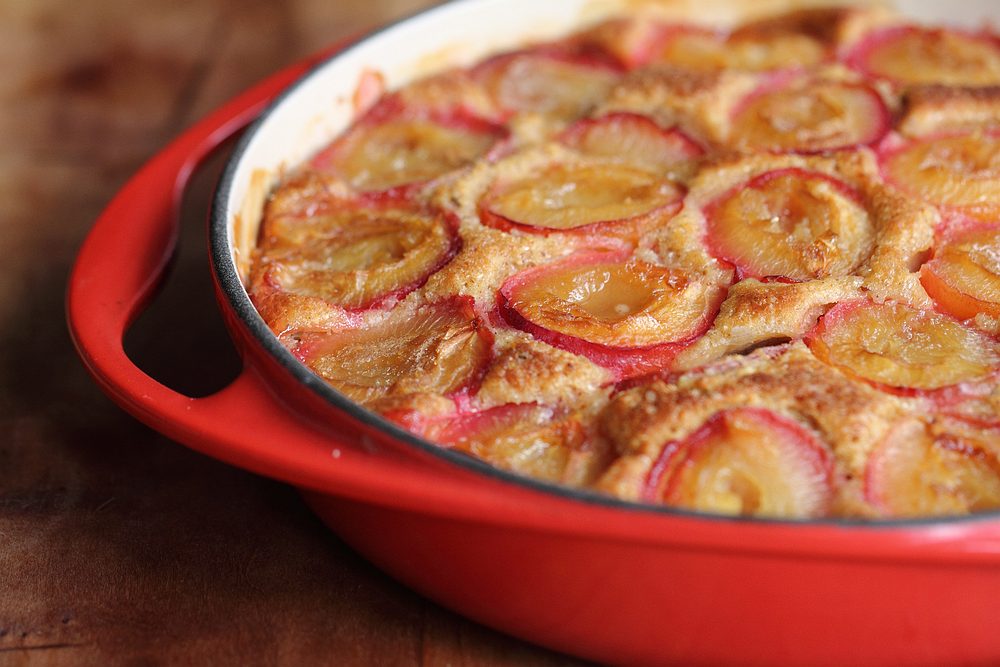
[960, 172]
[357, 255]
[921, 470]
[441, 349]
[627, 315]
[387, 151]
[565, 197]
[898, 346]
[632, 139]
[916, 56]
[547, 81]
[704, 50]
[810, 116]
[964, 275]
[745, 461]
[531, 439]
[791, 223]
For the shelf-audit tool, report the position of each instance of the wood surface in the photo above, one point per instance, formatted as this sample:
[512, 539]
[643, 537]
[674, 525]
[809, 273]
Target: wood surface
[117, 546]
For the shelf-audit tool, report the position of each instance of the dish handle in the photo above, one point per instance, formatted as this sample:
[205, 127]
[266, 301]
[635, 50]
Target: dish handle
[117, 272]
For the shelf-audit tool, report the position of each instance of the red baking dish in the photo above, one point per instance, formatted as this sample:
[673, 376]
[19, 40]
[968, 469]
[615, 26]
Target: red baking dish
[595, 577]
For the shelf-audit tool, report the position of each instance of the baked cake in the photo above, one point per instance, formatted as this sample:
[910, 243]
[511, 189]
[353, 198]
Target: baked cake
[752, 271]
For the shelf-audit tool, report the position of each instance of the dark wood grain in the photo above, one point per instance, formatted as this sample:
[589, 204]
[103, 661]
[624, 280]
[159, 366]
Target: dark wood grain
[117, 546]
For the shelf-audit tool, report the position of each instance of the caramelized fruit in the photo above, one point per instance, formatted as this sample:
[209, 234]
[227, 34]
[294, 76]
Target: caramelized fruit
[554, 84]
[958, 172]
[809, 117]
[383, 154]
[562, 197]
[919, 56]
[745, 461]
[895, 345]
[624, 314]
[633, 139]
[964, 275]
[922, 470]
[531, 439]
[791, 223]
[441, 349]
[357, 255]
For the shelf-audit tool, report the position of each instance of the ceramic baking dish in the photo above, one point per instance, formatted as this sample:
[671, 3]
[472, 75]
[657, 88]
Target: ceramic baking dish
[594, 577]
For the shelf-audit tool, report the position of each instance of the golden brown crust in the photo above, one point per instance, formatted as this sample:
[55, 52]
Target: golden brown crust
[858, 23]
[931, 110]
[284, 311]
[756, 314]
[301, 195]
[484, 261]
[698, 102]
[848, 416]
[824, 24]
[528, 371]
[905, 232]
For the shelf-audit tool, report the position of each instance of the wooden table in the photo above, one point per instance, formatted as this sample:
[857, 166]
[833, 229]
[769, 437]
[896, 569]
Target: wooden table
[118, 546]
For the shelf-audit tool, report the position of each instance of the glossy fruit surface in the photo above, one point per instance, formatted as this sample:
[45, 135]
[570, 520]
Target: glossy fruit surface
[567, 197]
[398, 151]
[810, 117]
[555, 84]
[964, 275]
[959, 172]
[620, 312]
[624, 303]
[535, 440]
[791, 223]
[924, 470]
[439, 349]
[633, 139]
[357, 254]
[912, 55]
[745, 461]
[899, 346]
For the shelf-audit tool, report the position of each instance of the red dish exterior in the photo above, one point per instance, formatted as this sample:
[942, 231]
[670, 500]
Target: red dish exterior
[594, 577]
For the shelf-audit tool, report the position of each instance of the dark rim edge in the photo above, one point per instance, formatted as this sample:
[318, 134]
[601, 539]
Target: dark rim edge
[224, 270]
